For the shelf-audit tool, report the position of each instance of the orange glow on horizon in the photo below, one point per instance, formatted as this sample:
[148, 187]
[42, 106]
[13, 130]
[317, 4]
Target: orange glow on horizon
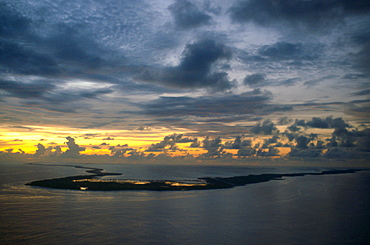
[28, 137]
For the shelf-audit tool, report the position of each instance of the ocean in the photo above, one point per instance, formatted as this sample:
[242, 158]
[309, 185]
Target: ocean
[311, 209]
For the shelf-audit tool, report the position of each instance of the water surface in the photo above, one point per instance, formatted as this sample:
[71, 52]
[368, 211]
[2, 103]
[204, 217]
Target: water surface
[328, 209]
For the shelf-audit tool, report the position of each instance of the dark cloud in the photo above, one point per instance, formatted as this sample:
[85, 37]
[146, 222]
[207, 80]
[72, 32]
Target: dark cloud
[293, 128]
[305, 153]
[12, 23]
[284, 120]
[216, 10]
[195, 68]
[168, 142]
[362, 37]
[283, 53]
[26, 90]
[362, 92]
[208, 106]
[18, 59]
[267, 127]
[246, 152]
[40, 150]
[286, 51]
[313, 15]
[270, 141]
[289, 82]
[214, 147]
[317, 122]
[108, 138]
[362, 59]
[353, 76]
[23, 127]
[33, 46]
[70, 47]
[302, 142]
[270, 152]
[255, 80]
[315, 82]
[187, 15]
[328, 122]
[73, 148]
[39, 92]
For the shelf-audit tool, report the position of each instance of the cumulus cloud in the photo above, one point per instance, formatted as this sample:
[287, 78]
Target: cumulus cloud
[267, 127]
[317, 122]
[269, 152]
[195, 68]
[40, 150]
[73, 148]
[168, 142]
[187, 15]
[214, 147]
[284, 120]
[305, 153]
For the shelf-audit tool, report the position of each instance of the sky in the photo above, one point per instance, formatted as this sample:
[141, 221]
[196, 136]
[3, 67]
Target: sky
[136, 79]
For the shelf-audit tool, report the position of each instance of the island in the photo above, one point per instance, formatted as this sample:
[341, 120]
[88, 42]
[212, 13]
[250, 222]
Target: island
[94, 183]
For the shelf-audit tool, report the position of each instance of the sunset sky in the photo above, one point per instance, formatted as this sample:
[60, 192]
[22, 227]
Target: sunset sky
[123, 77]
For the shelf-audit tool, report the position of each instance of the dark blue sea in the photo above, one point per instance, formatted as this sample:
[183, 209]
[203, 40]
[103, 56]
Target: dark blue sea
[311, 209]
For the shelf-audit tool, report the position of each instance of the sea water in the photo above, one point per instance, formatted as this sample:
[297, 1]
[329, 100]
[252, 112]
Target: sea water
[325, 209]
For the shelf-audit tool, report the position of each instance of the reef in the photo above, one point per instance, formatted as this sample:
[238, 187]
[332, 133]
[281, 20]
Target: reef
[93, 183]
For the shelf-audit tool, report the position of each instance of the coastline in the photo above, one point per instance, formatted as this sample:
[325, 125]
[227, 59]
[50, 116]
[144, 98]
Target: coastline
[92, 183]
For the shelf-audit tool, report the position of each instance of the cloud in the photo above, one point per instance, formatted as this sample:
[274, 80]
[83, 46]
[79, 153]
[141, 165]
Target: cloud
[43, 44]
[353, 76]
[26, 90]
[214, 147]
[328, 122]
[168, 142]
[246, 152]
[195, 68]
[305, 153]
[287, 51]
[71, 48]
[270, 152]
[284, 120]
[40, 150]
[302, 142]
[315, 82]
[316, 15]
[209, 106]
[12, 22]
[362, 59]
[73, 148]
[18, 59]
[267, 127]
[108, 138]
[187, 15]
[255, 80]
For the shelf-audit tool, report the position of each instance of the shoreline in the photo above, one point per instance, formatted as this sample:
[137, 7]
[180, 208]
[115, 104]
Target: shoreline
[92, 183]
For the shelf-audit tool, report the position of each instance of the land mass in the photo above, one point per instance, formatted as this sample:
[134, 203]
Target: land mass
[93, 183]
